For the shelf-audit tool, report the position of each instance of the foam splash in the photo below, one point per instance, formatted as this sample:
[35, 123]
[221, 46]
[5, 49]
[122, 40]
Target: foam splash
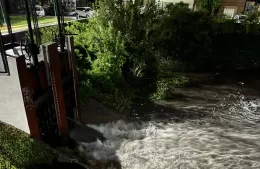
[231, 140]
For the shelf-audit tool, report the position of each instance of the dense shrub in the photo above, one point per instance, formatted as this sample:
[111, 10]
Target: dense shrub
[135, 26]
[126, 45]
[113, 49]
[165, 87]
[47, 33]
[181, 34]
[198, 42]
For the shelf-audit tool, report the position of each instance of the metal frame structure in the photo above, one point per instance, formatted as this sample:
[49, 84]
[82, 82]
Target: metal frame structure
[49, 86]
[33, 49]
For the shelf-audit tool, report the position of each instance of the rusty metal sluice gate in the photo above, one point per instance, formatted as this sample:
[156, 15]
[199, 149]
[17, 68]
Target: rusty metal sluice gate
[47, 76]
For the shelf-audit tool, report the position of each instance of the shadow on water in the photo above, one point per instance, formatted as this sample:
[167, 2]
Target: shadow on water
[197, 98]
[148, 110]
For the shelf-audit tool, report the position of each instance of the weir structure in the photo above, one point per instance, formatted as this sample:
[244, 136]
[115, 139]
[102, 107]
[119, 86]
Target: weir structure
[38, 82]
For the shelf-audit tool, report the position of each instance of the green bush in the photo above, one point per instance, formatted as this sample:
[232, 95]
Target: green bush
[135, 27]
[193, 41]
[101, 55]
[124, 45]
[47, 33]
[100, 51]
[5, 164]
[111, 49]
[165, 87]
[181, 35]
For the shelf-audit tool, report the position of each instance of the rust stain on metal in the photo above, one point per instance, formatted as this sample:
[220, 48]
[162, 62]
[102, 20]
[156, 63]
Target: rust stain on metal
[26, 83]
[55, 71]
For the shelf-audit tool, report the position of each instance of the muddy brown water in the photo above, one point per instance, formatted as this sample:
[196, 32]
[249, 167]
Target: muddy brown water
[214, 122]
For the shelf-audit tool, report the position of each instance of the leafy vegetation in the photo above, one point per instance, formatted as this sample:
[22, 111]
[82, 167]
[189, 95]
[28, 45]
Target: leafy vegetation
[19, 151]
[47, 33]
[165, 87]
[253, 18]
[127, 47]
[111, 51]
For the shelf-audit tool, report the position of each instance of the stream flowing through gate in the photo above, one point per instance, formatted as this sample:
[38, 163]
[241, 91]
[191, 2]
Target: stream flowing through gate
[221, 131]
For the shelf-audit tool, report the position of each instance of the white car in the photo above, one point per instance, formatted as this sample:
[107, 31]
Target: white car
[240, 18]
[40, 11]
[85, 12]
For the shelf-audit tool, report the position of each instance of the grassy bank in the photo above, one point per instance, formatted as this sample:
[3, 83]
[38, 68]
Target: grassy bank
[19, 151]
[21, 20]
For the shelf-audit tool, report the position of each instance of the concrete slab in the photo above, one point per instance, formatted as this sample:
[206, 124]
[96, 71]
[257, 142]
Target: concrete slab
[12, 107]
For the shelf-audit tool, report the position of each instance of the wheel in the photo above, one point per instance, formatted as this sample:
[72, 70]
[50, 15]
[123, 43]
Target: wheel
[77, 16]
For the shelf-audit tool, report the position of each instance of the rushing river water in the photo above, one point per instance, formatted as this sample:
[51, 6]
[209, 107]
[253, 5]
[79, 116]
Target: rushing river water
[228, 138]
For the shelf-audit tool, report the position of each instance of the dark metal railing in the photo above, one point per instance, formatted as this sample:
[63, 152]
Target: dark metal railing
[47, 119]
[4, 68]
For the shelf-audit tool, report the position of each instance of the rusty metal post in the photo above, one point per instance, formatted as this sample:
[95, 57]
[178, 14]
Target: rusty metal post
[27, 93]
[57, 87]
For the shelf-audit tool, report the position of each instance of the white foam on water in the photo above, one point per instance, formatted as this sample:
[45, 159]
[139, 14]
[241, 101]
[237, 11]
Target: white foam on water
[229, 140]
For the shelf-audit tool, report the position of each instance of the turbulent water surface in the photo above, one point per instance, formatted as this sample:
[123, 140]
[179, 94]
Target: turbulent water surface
[228, 138]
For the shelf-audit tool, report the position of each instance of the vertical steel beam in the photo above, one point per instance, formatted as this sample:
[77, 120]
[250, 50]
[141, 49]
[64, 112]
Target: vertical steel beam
[33, 48]
[3, 55]
[5, 7]
[61, 37]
